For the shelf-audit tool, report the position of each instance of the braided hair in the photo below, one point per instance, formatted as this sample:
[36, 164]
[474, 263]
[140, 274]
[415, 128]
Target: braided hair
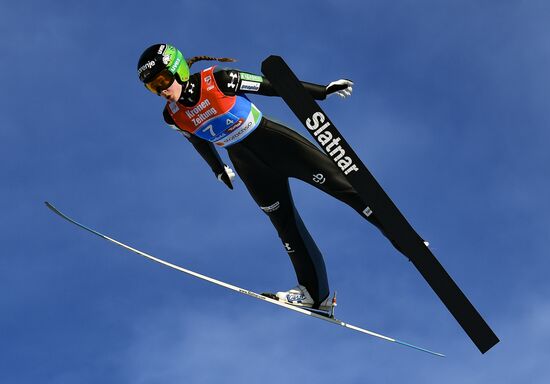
[194, 59]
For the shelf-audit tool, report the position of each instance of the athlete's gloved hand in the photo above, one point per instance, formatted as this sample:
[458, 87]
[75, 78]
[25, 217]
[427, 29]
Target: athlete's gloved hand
[342, 88]
[227, 176]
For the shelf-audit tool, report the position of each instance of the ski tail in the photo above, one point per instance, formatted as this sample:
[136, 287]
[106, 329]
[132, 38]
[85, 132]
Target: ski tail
[419, 348]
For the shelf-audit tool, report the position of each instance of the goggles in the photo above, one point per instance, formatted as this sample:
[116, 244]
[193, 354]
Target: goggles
[161, 81]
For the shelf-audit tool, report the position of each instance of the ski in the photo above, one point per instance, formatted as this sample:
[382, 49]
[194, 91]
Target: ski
[312, 313]
[376, 200]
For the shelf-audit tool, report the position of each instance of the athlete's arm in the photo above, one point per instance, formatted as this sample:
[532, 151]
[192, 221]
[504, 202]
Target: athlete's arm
[206, 149]
[232, 82]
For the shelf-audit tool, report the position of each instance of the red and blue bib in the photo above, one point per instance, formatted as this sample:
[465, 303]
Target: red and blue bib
[218, 118]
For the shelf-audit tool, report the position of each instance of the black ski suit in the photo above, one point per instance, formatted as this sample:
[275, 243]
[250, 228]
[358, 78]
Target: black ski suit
[265, 160]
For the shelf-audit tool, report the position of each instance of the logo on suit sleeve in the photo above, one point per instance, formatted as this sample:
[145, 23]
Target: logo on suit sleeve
[234, 79]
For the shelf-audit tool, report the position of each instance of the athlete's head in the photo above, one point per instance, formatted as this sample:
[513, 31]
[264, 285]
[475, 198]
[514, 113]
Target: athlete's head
[164, 71]
[160, 65]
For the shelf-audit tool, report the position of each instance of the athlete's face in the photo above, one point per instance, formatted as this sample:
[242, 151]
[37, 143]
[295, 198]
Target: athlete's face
[173, 92]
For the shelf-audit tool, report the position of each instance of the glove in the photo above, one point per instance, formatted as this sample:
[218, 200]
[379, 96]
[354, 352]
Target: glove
[227, 176]
[342, 88]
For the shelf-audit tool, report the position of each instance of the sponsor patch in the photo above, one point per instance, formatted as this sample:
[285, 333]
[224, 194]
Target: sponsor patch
[248, 76]
[249, 86]
[271, 208]
[148, 65]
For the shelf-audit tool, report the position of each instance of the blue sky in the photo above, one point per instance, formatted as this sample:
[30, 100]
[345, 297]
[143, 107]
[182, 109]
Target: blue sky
[449, 111]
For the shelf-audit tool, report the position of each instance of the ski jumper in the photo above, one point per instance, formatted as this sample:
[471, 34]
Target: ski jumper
[214, 112]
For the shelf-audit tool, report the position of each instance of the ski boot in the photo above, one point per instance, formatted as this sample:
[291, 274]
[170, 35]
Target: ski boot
[300, 297]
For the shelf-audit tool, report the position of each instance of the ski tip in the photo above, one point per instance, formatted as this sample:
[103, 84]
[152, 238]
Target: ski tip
[49, 205]
[52, 208]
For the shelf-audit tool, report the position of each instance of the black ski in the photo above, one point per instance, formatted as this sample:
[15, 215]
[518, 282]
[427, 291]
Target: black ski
[392, 220]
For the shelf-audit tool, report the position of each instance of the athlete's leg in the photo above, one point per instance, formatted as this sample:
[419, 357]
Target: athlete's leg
[271, 192]
[304, 161]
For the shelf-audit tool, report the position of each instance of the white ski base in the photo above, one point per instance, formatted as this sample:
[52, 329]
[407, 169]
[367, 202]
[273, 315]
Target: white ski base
[241, 290]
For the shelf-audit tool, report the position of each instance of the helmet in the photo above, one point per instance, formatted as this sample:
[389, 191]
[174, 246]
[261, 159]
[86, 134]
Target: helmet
[161, 64]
